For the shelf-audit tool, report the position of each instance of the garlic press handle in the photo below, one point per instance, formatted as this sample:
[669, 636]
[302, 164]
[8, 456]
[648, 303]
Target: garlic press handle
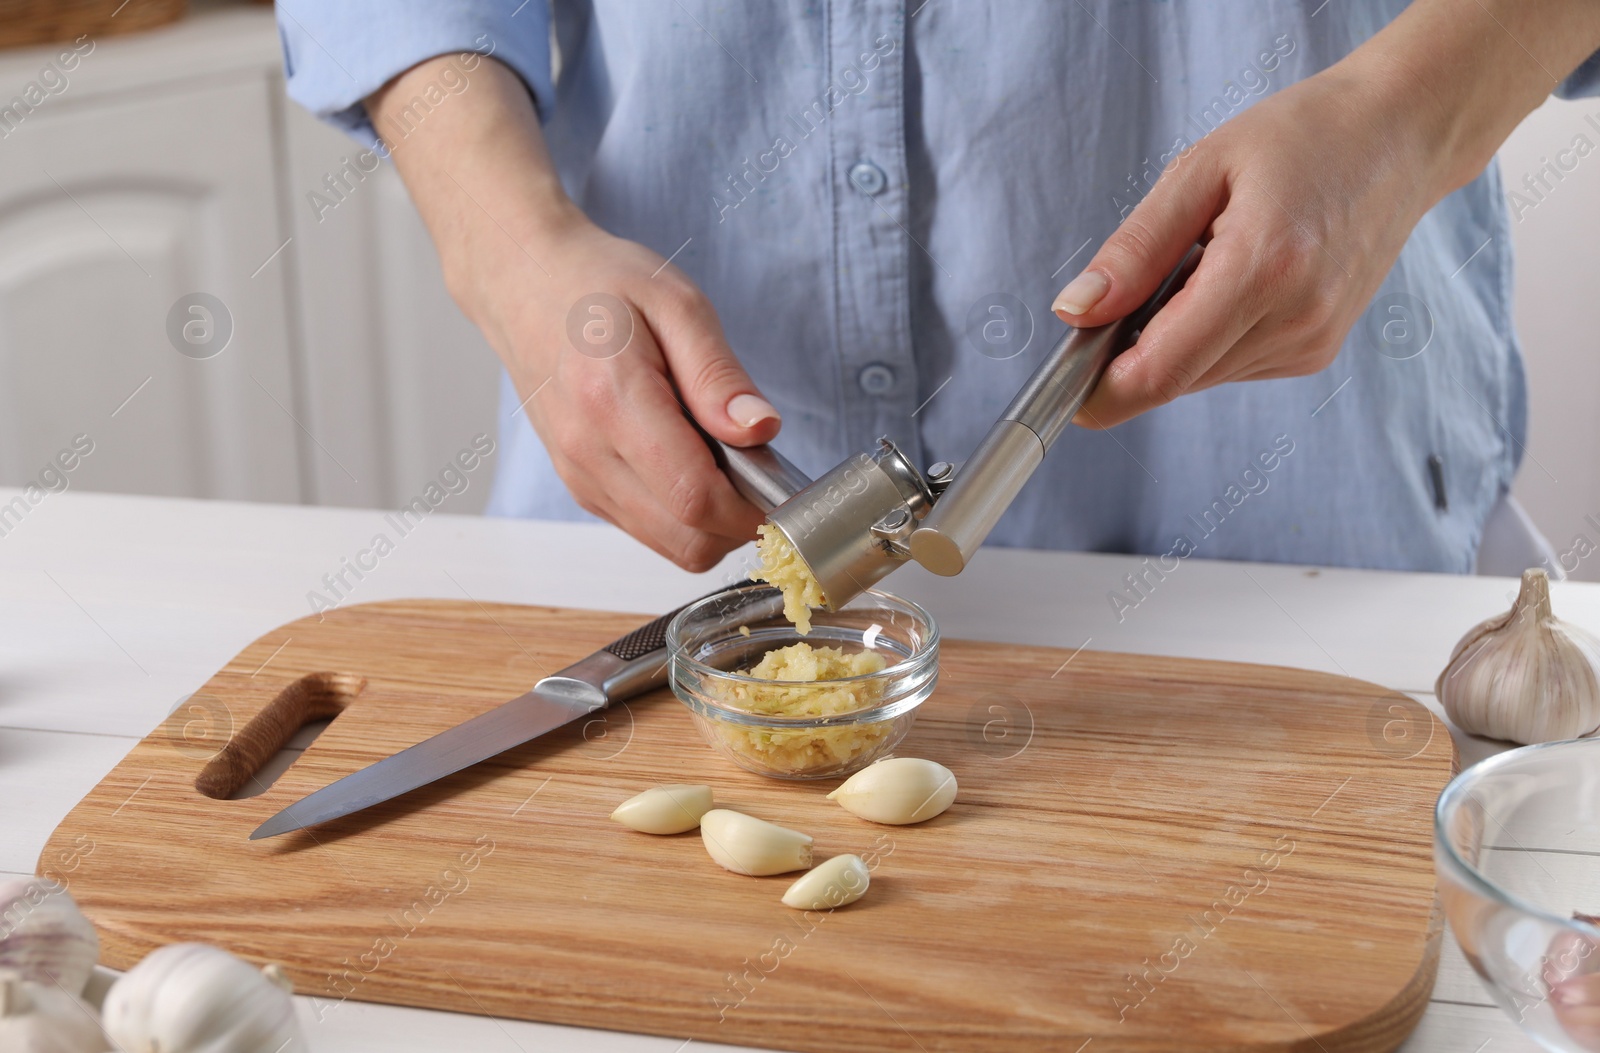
[1005, 460]
[761, 474]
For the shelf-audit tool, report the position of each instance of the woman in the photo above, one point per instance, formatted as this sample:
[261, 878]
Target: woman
[879, 198]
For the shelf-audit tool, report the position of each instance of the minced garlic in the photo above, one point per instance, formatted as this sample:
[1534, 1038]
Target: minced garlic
[781, 566]
[801, 666]
[799, 670]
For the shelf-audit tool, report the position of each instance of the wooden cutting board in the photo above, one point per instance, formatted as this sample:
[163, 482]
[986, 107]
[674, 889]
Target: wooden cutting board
[1149, 853]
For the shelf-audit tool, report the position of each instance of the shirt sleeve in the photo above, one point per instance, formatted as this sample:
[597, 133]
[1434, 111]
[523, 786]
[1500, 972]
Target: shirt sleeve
[1585, 80]
[335, 54]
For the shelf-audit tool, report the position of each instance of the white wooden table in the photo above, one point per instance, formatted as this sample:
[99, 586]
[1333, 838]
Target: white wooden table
[113, 609]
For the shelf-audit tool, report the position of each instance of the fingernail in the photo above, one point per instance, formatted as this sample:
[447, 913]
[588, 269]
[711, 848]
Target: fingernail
[1082, 293]
[750, 410]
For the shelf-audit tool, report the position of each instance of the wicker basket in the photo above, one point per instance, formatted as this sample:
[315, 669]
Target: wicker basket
[24, 22]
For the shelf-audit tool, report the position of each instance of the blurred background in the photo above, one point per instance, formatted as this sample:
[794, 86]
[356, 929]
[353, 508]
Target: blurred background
[158, 192]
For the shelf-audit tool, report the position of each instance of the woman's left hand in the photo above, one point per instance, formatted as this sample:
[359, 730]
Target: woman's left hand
[1303, 203]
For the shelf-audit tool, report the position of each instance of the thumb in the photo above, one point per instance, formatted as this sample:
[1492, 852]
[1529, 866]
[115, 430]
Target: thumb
[1144, 249]
[714, 387]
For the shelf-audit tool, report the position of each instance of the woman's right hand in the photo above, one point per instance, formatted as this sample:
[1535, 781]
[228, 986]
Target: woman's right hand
[596, 350]
[600, 335]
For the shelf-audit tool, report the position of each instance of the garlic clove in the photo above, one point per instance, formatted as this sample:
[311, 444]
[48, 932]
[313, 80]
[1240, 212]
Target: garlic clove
[192, 998]
[670, 809]
[1575, 1002]
[1525, 675]
[835, 883]
[747, 845]
[1571, 974]
[43, 1018]
[44, 936]
[898, 791]
[1570, 954]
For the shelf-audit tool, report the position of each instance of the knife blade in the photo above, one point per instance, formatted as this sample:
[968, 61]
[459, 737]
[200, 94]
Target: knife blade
[625, 667]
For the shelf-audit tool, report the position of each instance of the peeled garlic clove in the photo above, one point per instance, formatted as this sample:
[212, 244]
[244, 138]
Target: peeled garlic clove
[747, 845]
[193, 998]
[44, 936]
[898, 791]
[670, 809]
[834, 883]
[1526, 675]
[1570, 954]
[1576, 1005]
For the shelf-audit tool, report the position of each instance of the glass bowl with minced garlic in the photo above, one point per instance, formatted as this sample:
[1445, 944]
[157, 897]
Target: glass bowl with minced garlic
[816, 705]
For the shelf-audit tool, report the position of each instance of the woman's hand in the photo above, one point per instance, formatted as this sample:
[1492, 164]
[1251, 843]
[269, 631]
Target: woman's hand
[600, 335]
[597, 350]
[1304, 201]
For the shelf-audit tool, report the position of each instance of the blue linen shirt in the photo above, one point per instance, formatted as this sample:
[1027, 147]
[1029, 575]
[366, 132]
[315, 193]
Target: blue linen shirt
[881, 199]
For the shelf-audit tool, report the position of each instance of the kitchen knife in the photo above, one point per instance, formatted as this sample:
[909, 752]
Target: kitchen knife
[622, 669]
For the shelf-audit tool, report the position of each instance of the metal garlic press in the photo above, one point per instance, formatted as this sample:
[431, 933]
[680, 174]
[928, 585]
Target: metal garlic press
[860, 521]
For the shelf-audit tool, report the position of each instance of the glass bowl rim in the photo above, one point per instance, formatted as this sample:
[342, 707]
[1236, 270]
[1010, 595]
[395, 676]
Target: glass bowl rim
[1470, 875]
[675, 654]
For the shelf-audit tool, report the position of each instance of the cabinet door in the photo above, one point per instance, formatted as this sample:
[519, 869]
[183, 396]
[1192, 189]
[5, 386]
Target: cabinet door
[113, 210]
[395, 374]
[1554, 197]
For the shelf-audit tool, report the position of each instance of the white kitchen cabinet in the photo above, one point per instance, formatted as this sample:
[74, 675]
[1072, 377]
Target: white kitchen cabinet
[1555, 227]
[397, 378]
[173, 164]
[111, 209]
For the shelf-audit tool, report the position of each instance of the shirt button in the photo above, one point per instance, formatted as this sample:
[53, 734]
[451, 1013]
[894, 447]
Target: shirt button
[876, 379]
[868, 178]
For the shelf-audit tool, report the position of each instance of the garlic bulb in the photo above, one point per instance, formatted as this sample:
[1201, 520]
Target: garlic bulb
[1525, 675]
[746, 845]
[840, 880]
[670, 809]
[898, 791]
[42, 1018]
[191, 998]
[44, 936]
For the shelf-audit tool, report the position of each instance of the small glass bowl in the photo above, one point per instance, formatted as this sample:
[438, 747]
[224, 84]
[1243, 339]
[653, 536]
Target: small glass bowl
[1517, 847]
[707, 648]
